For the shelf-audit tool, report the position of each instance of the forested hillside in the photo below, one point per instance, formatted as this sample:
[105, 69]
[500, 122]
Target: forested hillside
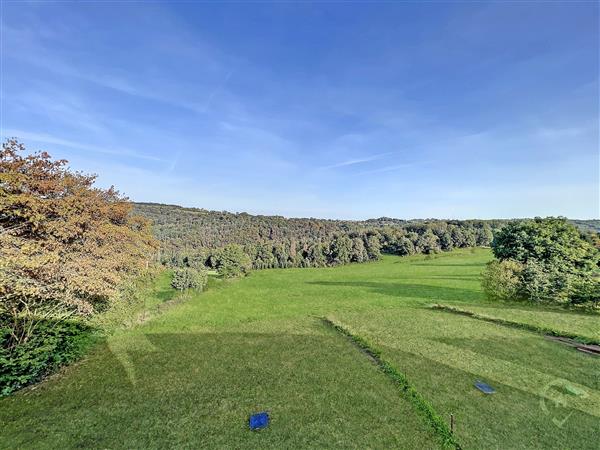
[191, 236]
[592, 226]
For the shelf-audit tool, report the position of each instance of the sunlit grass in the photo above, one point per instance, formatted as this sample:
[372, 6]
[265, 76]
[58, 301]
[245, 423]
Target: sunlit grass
[190, 376]
[444, 354]
[563, 321]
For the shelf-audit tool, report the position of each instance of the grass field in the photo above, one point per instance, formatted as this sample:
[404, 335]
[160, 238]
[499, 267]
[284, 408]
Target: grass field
[189, 377]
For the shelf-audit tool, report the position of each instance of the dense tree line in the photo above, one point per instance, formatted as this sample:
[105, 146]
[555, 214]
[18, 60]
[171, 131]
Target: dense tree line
[545, 260]
[191, 236]
[199, 238]
[588, 226]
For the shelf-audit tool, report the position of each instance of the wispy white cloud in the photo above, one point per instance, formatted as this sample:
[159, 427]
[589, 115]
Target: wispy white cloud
[560, 133]
[241, 125]
[29, 45]
[114, 82]
[58, 105]
[218, 89]
[174, 162]
[54, 140]
[395, 167]
[352, 162]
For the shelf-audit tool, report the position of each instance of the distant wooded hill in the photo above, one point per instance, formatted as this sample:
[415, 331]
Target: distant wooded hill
[191, 233]
[587, 225]
[274, 241]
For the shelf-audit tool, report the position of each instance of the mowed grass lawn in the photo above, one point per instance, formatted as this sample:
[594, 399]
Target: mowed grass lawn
[190, 377]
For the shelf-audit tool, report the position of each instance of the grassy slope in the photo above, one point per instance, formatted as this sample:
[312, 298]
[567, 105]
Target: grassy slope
[443, 355]
[190, 376]
[557, 319]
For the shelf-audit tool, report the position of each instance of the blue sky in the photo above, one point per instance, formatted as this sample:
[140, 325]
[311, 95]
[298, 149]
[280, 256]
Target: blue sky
[337, 110]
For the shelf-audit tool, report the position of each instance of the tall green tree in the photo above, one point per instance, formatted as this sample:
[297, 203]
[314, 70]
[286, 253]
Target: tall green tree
[428, 242]
[231, 261]
[340, 251]
[552, 240]
[359, 252]
[557, 264]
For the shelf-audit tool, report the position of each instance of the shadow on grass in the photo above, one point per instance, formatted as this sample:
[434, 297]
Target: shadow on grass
[195, 390]
[165, 293]
[453, 277]
[532, 307]
[488, 421]
[430, 264]
[534, 352]
[421, 291]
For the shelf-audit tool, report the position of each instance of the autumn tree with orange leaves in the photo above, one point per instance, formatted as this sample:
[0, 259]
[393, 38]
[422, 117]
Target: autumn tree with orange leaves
[65, 245]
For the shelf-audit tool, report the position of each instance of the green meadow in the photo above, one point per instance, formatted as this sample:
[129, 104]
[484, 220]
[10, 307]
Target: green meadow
[189, 376]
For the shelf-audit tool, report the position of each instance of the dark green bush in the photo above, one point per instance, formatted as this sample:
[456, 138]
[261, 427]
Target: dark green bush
[558, 263]
[586, 291]
[551, 241]
[546, 282]
[501, 280]
[188, 278]
[49, 346]
[231, 261]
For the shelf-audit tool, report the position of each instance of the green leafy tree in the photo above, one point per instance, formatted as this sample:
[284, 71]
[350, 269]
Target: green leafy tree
[359, 252]
[458, 237]
[196, 260]
[340, 251]
[557, 260]
[232, 261]
[317, 254]
[546, 282]
[263, 256]
[428, 243]
[551, 240]
[373, 247]
[586, 291]
[484, 235]
[293, 256]
[501, 280]
[445, 239]
[188, 278]
[280, 253]
[405, 245]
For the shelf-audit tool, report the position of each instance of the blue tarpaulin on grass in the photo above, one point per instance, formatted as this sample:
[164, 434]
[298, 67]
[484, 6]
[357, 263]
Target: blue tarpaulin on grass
[258, 421]
[484, 387]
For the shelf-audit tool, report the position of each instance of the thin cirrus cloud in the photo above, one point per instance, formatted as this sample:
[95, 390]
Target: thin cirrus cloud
[242, 107]
[353, 162]
[27, 47]
[116, 83]
[108, 150]
[395, 167]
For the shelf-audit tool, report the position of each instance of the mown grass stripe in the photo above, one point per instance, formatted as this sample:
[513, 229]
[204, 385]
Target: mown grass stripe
[513, 324]
[438, 424]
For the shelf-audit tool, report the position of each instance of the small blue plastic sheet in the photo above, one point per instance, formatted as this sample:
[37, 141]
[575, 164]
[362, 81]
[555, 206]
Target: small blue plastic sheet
[484, 387]
[259, 421]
